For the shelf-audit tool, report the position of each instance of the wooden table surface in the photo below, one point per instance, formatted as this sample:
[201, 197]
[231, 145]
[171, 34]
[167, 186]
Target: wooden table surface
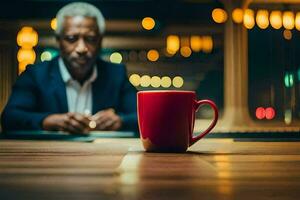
[120, 169]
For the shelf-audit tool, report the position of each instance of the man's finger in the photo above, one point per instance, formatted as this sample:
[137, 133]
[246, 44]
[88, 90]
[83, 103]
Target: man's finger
[82, 119]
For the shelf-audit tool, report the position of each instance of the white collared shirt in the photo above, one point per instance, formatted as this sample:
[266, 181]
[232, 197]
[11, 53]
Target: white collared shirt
[79, 97]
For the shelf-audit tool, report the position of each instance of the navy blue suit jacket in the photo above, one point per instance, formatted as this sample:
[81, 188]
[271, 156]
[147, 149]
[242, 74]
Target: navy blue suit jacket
[40, 91]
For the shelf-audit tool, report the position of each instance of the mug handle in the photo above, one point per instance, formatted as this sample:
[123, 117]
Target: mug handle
[197, 104]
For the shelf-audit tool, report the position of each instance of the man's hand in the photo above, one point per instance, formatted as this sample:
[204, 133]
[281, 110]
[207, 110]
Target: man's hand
[107, 120]
[74, 123]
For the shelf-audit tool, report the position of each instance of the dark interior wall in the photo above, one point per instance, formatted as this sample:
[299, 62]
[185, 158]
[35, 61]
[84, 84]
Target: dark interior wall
[8, 66]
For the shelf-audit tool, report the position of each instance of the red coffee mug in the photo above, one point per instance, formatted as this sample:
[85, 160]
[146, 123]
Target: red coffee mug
[166, 119]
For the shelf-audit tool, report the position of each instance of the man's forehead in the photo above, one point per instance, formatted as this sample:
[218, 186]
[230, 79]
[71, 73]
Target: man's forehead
[80, 22]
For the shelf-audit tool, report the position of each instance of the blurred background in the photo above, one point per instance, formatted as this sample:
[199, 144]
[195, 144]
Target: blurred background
[242, 54]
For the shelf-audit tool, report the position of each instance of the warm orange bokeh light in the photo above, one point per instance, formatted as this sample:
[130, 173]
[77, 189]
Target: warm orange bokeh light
[153, 55]
[148, 23]
[26, 56]
[297, 21]
[287, 34]
[288, 20]
[27, 37]
[238, 15]
[185, 51]
[275, 19]
[249, 21]
[262, 19]
[196, 43]
[219, 15]
[53, 24]
[207, 44]
[173, 44]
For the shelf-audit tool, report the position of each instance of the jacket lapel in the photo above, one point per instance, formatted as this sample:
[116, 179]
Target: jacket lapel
[59, 87]
[99, 88]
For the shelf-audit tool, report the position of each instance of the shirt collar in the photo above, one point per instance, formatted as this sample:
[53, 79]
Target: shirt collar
[66, 76]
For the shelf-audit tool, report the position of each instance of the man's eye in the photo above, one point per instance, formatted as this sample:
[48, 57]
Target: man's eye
[71, 39]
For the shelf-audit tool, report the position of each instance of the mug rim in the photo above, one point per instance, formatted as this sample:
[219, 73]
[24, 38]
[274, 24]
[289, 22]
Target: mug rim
[167, 91]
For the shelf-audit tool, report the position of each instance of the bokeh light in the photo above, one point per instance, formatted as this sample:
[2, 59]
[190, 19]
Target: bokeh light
[46, 56]
[115, 57]
[288, 20]
[287, 34]
[155, 81]
[135, 80]
[178, 81]
[207, 44]
[185, 51]
[148, 23]
[262, 19]
[270, 113]
[249, 21]
[145, 81]
[26, 56]
[219, 15]
[153, 55]
[196, 43]
[260, 113]
[166, 82]
[297, 21]
[173, 44]
[27, 37]
[238, 15]
[276, 19]
[53, 24]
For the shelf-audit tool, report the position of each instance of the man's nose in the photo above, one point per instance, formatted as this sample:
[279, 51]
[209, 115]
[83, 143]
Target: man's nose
[81, 47]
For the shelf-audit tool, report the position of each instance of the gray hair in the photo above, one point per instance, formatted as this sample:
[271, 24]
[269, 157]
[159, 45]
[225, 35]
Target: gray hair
[79, 9]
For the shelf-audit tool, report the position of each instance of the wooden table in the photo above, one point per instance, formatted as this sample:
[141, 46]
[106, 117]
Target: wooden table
[120, 169]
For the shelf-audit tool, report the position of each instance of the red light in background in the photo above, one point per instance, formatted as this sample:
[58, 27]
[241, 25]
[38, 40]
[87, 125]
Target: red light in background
[260, 113]
[270, 113]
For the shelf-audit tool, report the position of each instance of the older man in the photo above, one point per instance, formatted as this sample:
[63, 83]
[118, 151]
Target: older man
[76, 92]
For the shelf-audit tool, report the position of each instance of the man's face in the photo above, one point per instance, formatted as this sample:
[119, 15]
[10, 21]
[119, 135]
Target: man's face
[80, 44]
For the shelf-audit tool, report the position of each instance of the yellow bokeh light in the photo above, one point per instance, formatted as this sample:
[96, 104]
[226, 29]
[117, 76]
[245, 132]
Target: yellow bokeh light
[185, 51]
[22, 67]
[166, 82]
[145, 81]
[173, 44]
[207, 44]
[262, 19]
[135, 80]
[238, 15]
[287, 34]
[249, 21]
[148, 23]
[53, 24]
[178, 81]
[115, 57]
[219, 15]
[26, 56]
[153, 55]
[46, 56]
[155, 81]
[288, 20]
[196, 43]
[275, 19]
[297, 21]
[27, 37]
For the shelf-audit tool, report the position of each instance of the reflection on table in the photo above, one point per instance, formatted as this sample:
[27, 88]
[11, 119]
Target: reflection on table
[112, 168]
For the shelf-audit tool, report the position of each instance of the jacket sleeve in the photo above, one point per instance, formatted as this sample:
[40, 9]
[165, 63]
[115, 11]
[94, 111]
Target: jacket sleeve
[128, 107]
[21, 112]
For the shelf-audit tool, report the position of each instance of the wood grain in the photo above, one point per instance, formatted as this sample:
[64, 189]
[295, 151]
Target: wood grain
[120, 169]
